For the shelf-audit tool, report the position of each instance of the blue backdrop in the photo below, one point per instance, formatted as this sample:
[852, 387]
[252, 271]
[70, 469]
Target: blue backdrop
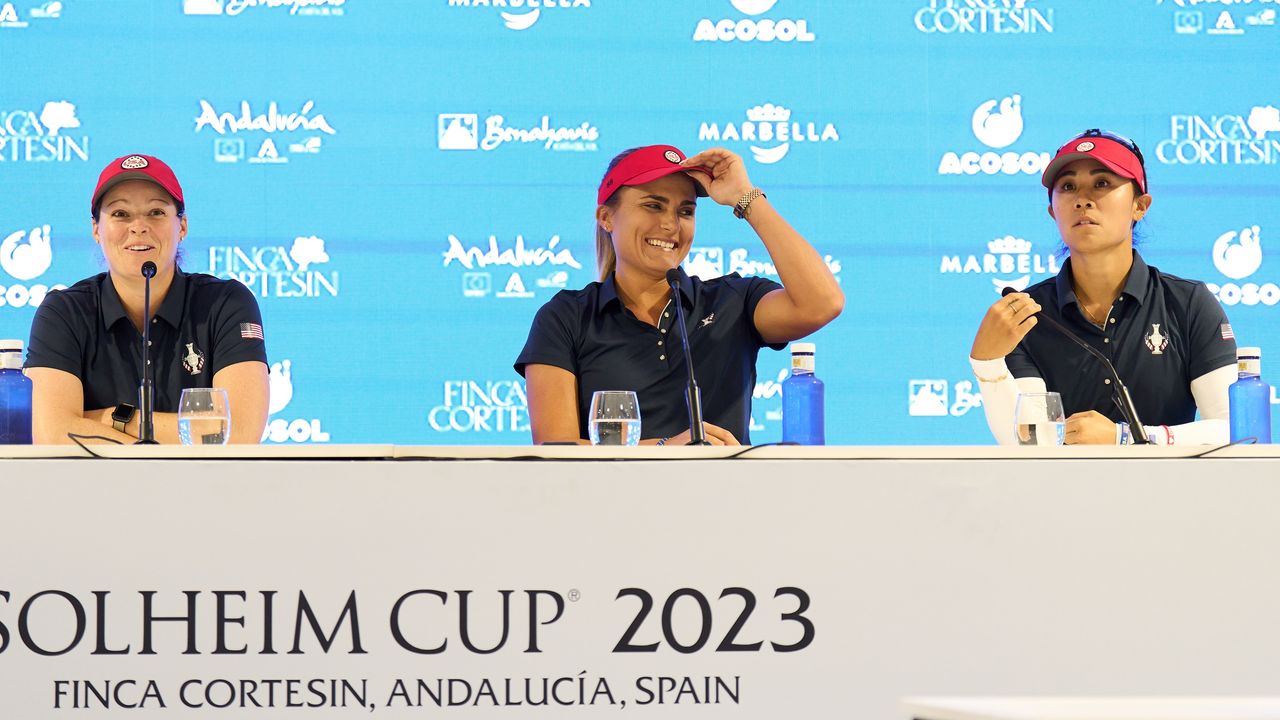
[404, 182]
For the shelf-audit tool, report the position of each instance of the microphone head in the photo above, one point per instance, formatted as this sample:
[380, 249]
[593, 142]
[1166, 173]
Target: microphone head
[1006, 291]
[674, 276]
[148, 269]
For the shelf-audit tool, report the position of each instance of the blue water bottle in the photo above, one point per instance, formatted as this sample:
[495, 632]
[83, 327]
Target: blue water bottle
[802, 400]
[1250, 399]
[15, 396]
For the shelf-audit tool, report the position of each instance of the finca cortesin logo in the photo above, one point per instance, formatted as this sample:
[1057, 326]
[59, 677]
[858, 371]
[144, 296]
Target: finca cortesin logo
[1229, 139]
[461, 131]
[932, 398]
[298, 271]
[1008, 258]
[25, 255]
[771, 131]
[542, 263]
[472, 406]
[751, 28]
[521, 14]
[712, 262]
[235, 7]
[50, 134]
[1002, 17]
[996, 123]
[281, 429]
[1237, 254]
[276, 135]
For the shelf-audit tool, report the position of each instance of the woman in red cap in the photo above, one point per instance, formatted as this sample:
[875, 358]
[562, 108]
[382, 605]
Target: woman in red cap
[619, 333]
[1167, 337]
[85, 356]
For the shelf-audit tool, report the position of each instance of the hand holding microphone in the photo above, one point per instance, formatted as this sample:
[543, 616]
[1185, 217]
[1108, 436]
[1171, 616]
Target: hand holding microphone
[1007, 321]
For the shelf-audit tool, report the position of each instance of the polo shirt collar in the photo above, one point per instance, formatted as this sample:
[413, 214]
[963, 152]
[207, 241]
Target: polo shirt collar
[1135, 286]
[170, 310]
[609, 291]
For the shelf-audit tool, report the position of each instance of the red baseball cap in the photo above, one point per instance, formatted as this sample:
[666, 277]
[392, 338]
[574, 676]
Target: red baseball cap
[137, 167]
[1112, 151]
[643, 165]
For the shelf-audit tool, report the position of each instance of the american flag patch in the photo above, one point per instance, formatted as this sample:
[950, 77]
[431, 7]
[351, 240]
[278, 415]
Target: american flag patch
[253, 331]
[1227, 332]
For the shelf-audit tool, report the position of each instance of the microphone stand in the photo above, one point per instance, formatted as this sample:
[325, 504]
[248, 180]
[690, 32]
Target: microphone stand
[146, 392]
[1119, 393]
[692, 396]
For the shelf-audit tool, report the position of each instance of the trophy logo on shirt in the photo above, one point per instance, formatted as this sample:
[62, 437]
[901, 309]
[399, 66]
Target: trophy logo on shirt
[1156, 340]
[193, 361]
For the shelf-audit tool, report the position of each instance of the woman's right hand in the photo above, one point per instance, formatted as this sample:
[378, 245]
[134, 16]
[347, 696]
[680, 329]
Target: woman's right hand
[1003, 327]
[715, 435]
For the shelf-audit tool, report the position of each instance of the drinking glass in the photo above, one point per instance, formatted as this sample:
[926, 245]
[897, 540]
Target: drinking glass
[1038, 419]
[615, 418]
[204, 417]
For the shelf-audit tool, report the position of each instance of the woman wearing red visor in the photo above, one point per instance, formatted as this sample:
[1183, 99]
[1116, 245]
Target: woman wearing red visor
[1168, 337]
[619, 333]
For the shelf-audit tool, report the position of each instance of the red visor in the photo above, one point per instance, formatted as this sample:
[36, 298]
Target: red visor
[1118, 158]
[137, 167]
[644, 165]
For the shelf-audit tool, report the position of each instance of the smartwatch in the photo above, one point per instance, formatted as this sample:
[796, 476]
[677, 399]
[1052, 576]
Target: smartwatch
[121, 416]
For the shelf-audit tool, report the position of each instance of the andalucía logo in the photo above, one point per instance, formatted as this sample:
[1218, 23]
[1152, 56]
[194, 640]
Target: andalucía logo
[25, 256]
[1223, 139]
[749, 29]
[477, 282]
[523, 14]
[1238, 255]
[277, 271]
[228, 147]
[461, 131]
[1008, 258]
[771, 131]
[996, 123]
[1000, 17]
[235, 7]
[51, 134]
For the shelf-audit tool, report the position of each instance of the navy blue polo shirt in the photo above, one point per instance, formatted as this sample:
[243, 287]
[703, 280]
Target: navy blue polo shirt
[591, 334]
[203, 325]
[1162, 333]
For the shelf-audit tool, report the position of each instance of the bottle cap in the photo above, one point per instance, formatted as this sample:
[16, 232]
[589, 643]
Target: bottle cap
[1242, 353]
[802, 348]
[11, 345]
[10, 354]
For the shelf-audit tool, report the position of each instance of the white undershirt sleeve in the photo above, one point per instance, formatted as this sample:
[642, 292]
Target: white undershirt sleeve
[1000, 394]
[1213, 428]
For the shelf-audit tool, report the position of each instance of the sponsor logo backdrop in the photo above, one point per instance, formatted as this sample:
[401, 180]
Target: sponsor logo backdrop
[403, 183]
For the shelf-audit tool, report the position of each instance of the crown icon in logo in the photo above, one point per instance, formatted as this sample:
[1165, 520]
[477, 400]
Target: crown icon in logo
[768, 113]
[1008, 245]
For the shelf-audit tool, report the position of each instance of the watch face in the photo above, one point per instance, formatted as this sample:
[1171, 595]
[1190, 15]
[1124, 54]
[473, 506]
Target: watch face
[123, 413]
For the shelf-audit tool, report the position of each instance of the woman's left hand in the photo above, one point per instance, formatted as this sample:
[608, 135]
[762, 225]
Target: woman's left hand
[728, 181]
[1090, 428]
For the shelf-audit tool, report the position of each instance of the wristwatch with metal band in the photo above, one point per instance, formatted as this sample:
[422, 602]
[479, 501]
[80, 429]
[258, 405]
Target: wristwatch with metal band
[121, 416]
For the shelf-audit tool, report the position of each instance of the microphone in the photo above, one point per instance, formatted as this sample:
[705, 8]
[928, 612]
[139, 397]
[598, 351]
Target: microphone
[146, 392]
[1119, 394]
[692, 396]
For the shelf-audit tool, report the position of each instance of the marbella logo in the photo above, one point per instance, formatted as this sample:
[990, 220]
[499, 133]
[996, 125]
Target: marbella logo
[235, 7]
[281, 430]
[1252, 139]
[751, 30]
[277, 271]
[998, 17]
[25, 255]
[1009, 258]
[771, 132]
[1238, 255]
[229, 148]
[461, 131]
[51, 134]
[481, 406]
[525, 13]
[996, 123]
